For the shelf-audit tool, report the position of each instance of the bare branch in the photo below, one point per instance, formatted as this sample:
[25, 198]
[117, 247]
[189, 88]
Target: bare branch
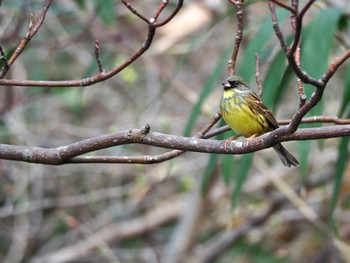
[33, 29]
[152, 26]
[257, 74]
[3, 58]
[334, 67]
[213, 249]
[164, 212]
[297, 55]
[292, 9]
[134, 11]
[64, 154]
[303, 76]
[97, 56]
[239, 36]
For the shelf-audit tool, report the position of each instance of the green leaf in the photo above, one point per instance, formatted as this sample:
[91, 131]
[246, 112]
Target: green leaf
[317, 43]
[80, 4]
[242, 172]
[339, 174]
[346, 93]
[208, 172]
[210, 83]
[272, 88]
[107, 11]
[227, 168]
[246, 68]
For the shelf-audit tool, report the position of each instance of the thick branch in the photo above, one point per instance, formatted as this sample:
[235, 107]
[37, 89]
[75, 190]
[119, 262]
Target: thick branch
[65, 154]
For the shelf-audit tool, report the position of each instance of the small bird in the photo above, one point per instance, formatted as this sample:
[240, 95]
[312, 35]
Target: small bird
[247, 115]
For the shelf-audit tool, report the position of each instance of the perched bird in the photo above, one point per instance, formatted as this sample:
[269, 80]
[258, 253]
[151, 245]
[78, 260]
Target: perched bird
[247, 116]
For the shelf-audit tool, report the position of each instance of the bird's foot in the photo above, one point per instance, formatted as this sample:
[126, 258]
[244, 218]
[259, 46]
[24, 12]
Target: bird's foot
[247, 140]
[229, 140]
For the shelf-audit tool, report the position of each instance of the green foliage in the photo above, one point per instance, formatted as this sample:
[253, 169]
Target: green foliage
[210, 83]
[338, 179]
[316, 47]
[80, 4]
[345, 105]
[208, 172]
[107, 11]
[245, 163]
[317, 44]
[247, 252]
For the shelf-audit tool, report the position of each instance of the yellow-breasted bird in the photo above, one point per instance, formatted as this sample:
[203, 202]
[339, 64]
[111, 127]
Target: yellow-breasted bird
[247, 115]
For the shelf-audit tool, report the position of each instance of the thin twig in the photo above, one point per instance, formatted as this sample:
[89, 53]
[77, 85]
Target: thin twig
[98, 58]
[33, 29]
[152, 26]
[292, 9]
[161, 7]
[298, 26]
[238, 38]
[6, 65]
[257, 75]
[334, 67]
[166, 211]
[297, 55]
[211, 250]
[134, 11]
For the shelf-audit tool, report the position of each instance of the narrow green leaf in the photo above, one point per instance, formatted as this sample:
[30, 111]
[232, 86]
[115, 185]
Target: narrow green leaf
[227, 168]
[242, 172]
[80, 4]
[246, 68]
[339, 173]
[272, 90]
[208, 172]
[107, 11]
[346, 93]
[316, 46]
[211, 82]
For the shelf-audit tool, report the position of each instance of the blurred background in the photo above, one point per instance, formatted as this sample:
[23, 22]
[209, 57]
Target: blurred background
[194, 208]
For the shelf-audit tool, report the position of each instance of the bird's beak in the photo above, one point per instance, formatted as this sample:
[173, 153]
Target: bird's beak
[225, 84]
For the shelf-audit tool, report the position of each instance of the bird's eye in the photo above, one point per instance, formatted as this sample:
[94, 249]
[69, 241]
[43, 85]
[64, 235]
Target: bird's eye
[234, 83]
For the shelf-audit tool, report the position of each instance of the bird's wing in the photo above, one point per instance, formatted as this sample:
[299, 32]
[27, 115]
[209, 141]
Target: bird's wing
[262, 109]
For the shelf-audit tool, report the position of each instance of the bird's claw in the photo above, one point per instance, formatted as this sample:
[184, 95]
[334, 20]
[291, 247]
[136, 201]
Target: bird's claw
[229, 140]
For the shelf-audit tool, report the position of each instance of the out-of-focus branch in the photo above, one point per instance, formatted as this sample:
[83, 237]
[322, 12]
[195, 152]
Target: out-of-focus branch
[164, 212]
[64, 201]
[213, 249]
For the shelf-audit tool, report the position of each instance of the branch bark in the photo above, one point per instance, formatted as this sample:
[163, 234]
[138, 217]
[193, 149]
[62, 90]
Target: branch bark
[69, 153]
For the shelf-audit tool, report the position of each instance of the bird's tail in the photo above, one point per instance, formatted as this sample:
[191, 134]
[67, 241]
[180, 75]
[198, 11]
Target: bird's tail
[286, 157]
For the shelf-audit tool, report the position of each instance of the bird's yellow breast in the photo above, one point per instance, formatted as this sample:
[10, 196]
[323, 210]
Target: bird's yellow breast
[241, 119]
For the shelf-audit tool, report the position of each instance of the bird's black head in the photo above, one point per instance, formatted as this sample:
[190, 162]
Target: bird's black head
[235, 82]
